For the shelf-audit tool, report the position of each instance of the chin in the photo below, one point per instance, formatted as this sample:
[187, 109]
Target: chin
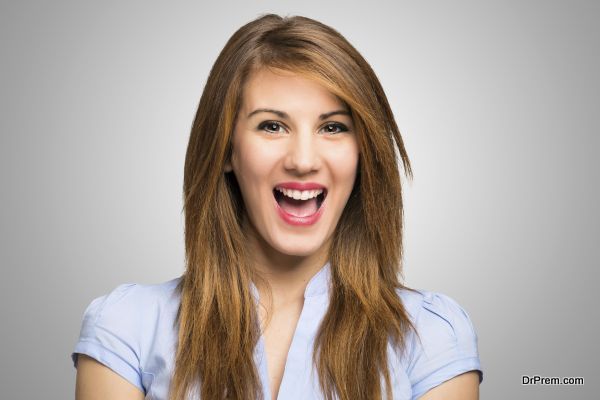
[299, 247]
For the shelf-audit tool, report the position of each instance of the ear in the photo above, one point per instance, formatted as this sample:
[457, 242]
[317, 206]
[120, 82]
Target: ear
[228, 167]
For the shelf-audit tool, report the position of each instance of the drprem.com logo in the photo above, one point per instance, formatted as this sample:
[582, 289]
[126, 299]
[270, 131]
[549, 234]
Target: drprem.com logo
[545, 380]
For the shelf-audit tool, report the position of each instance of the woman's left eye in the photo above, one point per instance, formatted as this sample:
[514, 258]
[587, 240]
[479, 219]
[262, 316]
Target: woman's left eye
[340, 128]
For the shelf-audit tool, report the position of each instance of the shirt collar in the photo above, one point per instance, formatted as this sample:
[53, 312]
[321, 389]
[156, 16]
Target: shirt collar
[317, 285]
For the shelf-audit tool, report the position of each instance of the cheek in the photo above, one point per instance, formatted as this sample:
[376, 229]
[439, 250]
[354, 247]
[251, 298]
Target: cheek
[344, 160]
[252, 161]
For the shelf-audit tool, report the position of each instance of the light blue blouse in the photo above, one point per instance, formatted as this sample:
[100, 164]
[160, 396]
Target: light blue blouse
[131, 331]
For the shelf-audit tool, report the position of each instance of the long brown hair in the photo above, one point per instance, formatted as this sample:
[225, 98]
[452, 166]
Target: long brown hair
[217, 320]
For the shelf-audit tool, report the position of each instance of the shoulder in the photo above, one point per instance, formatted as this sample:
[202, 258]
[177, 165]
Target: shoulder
[437, 315]
[445, 343]
[130, 299]
[130, 307]
[119, 327]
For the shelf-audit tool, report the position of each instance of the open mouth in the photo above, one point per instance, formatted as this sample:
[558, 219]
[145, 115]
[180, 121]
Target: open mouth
[304, 204]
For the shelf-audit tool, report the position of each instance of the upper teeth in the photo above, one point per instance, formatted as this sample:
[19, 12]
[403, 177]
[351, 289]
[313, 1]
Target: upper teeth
[300, 194]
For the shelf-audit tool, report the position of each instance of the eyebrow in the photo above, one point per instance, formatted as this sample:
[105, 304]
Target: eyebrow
[284, 115]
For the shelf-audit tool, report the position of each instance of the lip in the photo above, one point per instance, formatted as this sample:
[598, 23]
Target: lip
[300, 185]
[301, 221]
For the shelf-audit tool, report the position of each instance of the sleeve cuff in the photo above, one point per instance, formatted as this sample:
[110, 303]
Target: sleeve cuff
[110, 359]
[447, 372]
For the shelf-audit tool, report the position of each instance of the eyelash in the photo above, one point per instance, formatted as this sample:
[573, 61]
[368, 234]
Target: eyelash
[341, 127]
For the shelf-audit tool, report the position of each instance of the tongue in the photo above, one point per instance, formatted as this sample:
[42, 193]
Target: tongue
[299, 208]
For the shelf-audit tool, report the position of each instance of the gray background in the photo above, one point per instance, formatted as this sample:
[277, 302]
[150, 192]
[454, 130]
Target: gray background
[497, 102]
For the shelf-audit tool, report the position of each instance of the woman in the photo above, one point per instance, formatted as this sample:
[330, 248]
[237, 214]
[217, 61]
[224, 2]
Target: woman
[293, 235]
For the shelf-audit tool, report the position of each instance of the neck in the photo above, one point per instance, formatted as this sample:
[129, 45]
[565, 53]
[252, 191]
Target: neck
[288, 282]
[287, 275]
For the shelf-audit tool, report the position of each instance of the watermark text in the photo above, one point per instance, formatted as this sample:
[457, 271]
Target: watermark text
[554, 380]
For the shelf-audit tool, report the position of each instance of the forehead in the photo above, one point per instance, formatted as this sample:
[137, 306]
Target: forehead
[268, 87]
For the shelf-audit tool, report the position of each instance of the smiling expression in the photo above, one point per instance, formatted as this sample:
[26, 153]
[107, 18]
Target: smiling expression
[292, 134]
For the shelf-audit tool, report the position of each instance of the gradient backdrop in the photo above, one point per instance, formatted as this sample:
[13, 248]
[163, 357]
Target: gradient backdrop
[498, 104]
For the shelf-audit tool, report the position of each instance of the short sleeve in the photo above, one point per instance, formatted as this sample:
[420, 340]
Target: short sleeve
[109, 335]
[446, 344]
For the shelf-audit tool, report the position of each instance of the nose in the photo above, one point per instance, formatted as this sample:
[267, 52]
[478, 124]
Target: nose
[302, 154]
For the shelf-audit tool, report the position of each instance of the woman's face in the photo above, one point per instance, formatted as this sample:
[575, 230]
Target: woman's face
[295, 157]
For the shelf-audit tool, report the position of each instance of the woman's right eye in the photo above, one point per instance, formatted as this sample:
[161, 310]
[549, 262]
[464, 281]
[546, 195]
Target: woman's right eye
[270, 126]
